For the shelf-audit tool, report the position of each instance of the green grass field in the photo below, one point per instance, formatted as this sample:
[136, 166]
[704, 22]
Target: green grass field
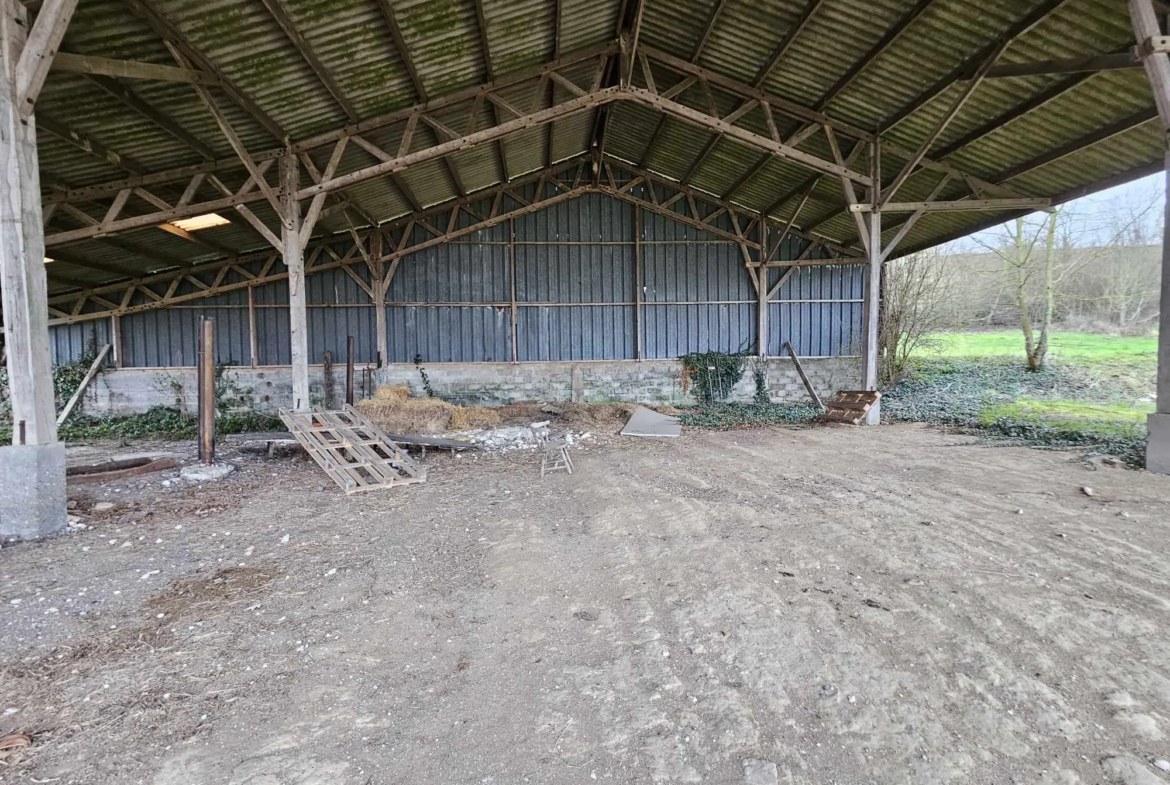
[1095, 391]
[1070, 348]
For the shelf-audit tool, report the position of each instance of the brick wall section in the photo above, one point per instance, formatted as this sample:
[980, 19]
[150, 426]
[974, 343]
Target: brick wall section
[132, 390]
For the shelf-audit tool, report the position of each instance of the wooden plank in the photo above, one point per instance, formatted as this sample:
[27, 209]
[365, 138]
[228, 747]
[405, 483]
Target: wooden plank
[803, 377]
[81, 388]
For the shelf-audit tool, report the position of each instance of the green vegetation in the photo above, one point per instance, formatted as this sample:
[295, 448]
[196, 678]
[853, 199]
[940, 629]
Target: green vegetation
[732, 416]
[709, 376]
[1077, 348]
[1095, 392]
[233, 413]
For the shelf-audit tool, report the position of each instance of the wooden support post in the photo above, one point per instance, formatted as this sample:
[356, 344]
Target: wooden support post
[515, 313]
[639, 286]
[294, 260]
[206, 384]
[253, 338]
[873, 279]
[1157, 64]
[327, 370]
[116, 340]
[378, 274]
[349, 359]
[32, 473]
[22, 247]
[762, 293]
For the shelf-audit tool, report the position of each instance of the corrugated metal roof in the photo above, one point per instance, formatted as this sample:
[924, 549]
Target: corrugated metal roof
[349, 68]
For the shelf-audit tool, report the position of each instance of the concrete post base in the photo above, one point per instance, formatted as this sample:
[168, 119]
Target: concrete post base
[874, 415]
[32, 491]
[1158, 447]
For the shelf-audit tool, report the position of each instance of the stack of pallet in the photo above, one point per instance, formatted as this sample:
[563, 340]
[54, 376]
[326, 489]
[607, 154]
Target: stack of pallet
[851, 406]
[352, 450]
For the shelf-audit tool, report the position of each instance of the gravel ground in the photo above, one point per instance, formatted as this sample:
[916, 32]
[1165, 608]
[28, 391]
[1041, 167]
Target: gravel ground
[830, 605]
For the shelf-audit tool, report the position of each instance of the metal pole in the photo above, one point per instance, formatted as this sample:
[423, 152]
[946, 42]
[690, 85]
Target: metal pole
[328, 380]
[206, 380]
[349, 370]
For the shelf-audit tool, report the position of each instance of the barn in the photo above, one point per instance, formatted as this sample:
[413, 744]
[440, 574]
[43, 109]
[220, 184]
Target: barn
[530, 199]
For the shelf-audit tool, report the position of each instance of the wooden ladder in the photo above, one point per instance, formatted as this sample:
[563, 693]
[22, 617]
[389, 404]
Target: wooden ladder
[352, 450]
[850, 406]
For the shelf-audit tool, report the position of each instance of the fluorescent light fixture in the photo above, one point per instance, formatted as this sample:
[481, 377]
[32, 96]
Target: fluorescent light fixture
[205, 221]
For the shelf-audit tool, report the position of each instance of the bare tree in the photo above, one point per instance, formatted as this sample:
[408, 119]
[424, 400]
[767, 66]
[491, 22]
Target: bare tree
[915, 293]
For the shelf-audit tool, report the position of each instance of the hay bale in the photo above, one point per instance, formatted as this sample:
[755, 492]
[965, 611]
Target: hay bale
[464, 418]
[409, 415]
[391, 394]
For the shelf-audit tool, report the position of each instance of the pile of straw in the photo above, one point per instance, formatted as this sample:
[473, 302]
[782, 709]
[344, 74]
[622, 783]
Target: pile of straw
[394, 410]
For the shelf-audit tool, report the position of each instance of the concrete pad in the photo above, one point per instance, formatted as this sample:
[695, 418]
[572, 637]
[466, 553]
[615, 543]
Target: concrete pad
[198, 472]
[1158, 446]
[32, 491]
[645, 422]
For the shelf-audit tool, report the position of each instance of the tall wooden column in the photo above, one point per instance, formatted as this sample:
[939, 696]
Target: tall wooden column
[294, 260]
[873, 286]
[32, 471]
[1148, 33]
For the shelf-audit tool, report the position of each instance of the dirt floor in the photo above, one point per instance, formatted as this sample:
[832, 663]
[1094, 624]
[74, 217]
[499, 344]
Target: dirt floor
[882, 605]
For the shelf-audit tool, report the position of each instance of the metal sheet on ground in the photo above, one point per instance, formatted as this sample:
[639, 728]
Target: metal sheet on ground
[645, 422]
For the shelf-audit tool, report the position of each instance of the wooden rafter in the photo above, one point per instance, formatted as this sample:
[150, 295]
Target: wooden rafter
[163, 28]
[560, 183]
[127, 97]
[1026, 107]
[965, 69]
[39, 50]
[90, 65]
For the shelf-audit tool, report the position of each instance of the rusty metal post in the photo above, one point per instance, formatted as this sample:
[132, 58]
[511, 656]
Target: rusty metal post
[328, 380]
[206, 383]
[349, 370]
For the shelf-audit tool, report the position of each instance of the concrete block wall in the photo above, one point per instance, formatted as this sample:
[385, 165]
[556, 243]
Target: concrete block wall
[649, 381]
[131, 390]
[268, 389]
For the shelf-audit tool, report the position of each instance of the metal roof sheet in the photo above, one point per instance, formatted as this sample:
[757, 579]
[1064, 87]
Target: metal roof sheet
[340, 64]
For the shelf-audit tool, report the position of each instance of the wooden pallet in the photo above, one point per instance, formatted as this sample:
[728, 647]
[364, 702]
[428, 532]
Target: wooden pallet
[850, 406]
[352, 450]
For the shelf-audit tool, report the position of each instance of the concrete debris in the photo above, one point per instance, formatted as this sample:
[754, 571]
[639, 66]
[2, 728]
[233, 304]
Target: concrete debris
[511, 438]
[197, 472]
[1087, 490]
[646, 422]
[103, 506]
[548, 408]
[760, 772]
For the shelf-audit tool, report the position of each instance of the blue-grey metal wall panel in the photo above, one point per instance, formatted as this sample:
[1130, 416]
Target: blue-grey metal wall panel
[334, 286]
[449, 334]
[275, 345]
[815, 330]
[70, 342]
[675, 330]
[692, 272]
[170, 337]
[453, 273]
[819, 308]
[329, 328]
[575, 273]
[592, 332]
[588, 218]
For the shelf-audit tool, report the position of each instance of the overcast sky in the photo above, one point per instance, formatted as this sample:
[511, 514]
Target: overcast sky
[1100, 214]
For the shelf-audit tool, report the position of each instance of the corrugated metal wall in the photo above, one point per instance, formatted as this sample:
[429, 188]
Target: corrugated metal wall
[574, 278]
